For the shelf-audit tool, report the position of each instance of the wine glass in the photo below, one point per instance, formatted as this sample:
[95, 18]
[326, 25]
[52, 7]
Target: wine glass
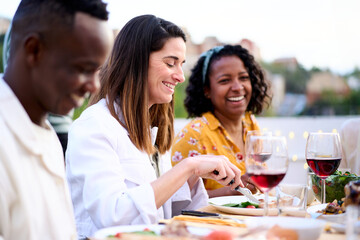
[257, 133]
[266, 162]
[323, 155]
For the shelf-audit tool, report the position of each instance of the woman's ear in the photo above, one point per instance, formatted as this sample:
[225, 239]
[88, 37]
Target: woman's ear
[206, 92]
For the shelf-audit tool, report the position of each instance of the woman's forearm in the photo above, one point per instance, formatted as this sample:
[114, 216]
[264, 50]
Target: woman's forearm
[168, 183]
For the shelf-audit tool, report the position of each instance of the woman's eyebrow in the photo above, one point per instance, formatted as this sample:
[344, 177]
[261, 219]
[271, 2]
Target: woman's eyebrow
[173, 57]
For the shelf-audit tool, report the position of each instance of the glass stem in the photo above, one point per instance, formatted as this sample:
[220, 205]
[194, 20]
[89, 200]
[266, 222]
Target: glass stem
[323, 191]
[266, 206]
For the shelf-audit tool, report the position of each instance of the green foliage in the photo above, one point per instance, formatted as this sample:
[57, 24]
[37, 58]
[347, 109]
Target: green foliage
[79, 110]
[180, 95]
[2, 36]
[355, 73]
[295, 78]
[331, 103]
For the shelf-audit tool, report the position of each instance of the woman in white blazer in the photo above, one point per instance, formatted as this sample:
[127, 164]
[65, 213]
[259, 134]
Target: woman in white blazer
[113, 161]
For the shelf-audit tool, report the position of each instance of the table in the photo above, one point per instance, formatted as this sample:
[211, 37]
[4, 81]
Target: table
[237, 230]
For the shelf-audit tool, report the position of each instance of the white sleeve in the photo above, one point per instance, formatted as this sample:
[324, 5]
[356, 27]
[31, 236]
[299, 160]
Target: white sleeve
[97, 177]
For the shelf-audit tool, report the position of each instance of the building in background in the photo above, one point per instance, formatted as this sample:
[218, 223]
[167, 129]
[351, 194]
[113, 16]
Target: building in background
[4, 25]
[325, 81]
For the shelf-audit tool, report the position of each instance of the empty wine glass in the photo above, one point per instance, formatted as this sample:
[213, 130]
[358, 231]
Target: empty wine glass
[266, 162]
[263, 155]
[323, 155]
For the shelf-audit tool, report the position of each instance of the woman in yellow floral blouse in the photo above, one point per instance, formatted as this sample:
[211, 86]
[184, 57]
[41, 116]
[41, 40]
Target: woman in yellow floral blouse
[226, 86]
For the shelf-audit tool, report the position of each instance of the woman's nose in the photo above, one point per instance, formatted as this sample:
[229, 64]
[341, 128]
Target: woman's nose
[237, 85]
[179, 75]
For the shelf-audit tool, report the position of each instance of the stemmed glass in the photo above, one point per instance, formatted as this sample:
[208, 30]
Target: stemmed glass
[266, 162]
[256, 133]
[323, 155]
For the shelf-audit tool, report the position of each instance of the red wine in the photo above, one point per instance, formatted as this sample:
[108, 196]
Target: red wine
[267, 181]
[323, 167]
[261, 157]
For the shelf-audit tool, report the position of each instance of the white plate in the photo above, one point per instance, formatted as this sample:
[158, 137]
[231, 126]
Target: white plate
[306, 228]
[338, 218]
[218, 201]
[103, 233]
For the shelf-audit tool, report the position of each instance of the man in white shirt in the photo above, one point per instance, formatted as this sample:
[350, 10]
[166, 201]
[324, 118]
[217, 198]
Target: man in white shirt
[56, 49]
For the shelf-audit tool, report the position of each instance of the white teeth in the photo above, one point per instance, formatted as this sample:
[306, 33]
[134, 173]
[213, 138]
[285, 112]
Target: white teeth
[235, 99]
[169, 85]
[78, 99]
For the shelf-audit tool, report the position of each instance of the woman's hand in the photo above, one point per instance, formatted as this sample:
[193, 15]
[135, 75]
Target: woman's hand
[216, 167]
[248, 183]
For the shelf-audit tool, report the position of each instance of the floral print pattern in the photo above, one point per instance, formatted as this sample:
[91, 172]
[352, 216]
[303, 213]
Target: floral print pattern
[206, 135]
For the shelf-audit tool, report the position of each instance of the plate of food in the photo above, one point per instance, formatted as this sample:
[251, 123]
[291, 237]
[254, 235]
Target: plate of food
[175, 229]
[333, 212]
[241, 205]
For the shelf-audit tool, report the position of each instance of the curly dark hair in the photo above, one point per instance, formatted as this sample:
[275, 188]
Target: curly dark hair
[196, 103]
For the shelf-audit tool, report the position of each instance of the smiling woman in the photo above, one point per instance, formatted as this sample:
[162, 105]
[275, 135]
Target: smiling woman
[113, 162]
[225, 88]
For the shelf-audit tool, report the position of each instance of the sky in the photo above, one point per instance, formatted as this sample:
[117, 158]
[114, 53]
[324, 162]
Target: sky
[321, 33]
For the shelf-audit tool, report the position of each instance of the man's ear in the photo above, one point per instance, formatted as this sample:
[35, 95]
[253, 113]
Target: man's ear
[33, 47]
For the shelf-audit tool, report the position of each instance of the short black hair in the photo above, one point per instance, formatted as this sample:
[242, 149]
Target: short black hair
[196, 103]
[43, 16]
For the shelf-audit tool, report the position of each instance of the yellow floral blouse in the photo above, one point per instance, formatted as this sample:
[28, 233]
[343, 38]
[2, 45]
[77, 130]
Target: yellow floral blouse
[206, 135]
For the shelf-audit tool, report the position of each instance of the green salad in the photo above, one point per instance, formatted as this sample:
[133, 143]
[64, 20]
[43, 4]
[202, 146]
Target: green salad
[334, 185]
[246, 204]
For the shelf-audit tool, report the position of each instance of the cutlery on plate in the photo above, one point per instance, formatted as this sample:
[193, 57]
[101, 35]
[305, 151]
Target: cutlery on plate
[244, 191]
[208, 214]
[247, 193]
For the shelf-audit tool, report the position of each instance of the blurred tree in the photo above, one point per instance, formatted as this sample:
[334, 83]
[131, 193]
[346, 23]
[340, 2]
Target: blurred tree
[295, 78]
[2, 36]
[354, 73]
[331, 103]
[179, 97]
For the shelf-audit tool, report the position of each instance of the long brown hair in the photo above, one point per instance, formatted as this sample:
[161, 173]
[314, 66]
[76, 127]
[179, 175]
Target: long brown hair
[124, 82]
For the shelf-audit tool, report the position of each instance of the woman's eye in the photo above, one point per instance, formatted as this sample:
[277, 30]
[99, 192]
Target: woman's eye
[170, 64]
[244, 78]
[223, 80]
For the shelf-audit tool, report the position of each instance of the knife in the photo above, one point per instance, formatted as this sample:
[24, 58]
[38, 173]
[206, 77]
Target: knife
[247, 193]
[208, 214]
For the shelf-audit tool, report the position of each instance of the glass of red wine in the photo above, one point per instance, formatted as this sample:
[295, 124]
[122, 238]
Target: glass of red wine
[323, 155]
[266, 162]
